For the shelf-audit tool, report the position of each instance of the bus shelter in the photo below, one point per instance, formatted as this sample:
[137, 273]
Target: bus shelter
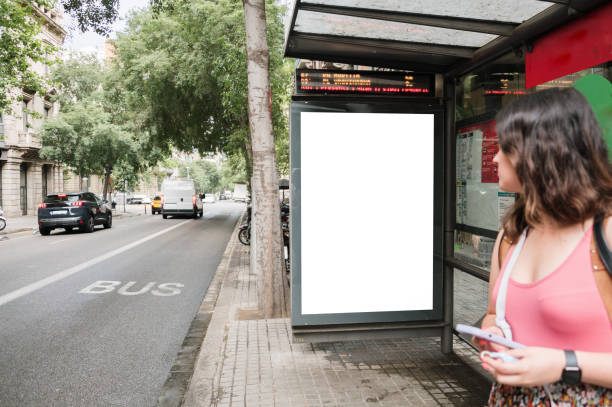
[406, 132]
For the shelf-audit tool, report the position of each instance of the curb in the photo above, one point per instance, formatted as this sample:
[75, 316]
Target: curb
[175, 388]
[8, 232]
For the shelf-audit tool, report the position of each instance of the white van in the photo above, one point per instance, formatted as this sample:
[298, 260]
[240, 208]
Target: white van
[240, 192]
[181, 198]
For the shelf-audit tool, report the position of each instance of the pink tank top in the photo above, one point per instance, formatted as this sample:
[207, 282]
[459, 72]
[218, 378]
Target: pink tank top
[563, 310]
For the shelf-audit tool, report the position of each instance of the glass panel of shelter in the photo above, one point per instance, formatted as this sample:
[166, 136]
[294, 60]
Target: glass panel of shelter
[340, 25]
[497, 10]
[481, 205]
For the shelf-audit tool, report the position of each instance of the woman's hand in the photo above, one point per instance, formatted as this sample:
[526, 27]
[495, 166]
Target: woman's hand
[483, 344]
[536, 366]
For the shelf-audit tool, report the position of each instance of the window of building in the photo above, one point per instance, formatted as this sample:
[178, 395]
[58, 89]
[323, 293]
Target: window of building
[25, 115]
[47, 112]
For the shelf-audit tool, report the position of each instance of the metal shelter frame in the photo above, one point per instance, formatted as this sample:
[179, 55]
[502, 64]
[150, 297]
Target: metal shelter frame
[425, 36]
[438, 57]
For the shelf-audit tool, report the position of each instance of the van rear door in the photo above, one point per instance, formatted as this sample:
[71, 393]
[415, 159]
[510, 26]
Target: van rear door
[179, 197]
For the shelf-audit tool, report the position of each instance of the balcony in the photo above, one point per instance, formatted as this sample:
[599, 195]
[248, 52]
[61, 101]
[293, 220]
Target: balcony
[28, 140]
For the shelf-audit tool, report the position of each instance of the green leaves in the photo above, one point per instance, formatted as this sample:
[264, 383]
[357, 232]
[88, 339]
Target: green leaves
[79, 78]
[184, 68]
[96, 15]
[19, 48]
[204, 173]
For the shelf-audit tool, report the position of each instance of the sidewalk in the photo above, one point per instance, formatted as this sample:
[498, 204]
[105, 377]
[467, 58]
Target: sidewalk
[254, 362]
[30, 223]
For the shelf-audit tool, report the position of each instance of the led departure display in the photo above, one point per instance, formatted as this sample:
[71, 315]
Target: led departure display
[364, 82]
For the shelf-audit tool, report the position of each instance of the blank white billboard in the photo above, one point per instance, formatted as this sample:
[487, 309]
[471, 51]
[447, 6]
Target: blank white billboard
[367, 212]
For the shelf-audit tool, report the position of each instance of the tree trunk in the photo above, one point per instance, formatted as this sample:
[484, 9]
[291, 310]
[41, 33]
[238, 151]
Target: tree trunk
[266, 210]
[80, 171]
[107, 175]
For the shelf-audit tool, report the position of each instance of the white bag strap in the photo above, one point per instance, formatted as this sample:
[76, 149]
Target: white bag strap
[500, 304]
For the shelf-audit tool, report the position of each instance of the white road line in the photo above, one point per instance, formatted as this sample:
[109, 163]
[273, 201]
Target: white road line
[28, 289]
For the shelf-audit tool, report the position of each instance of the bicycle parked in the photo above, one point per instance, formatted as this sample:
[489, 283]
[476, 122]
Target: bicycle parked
[2, 220]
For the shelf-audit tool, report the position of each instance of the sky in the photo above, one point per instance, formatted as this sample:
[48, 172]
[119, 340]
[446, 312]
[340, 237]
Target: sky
[91, 42]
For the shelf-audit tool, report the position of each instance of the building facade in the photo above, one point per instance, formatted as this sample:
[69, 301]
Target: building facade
[24, 176]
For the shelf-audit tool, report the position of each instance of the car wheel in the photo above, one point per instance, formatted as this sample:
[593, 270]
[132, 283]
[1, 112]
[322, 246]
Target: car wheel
[165, 216]
[89, 225]
[109, 222]
[44, 231]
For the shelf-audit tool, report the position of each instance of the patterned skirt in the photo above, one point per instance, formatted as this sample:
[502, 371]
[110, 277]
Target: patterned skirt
[564, 396]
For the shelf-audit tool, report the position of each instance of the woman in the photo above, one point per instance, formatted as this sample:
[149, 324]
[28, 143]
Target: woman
[552, 153]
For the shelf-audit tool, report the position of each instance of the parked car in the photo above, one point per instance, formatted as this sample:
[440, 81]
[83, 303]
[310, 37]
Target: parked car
[121, 197]
[137, 199]
[156, 205]
[209, 198]
[79, 209]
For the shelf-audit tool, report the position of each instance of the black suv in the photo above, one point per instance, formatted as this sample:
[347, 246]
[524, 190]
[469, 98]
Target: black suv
[79, 209]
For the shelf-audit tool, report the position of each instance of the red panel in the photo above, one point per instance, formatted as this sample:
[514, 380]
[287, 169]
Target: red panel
[490, 147]
[579, 45]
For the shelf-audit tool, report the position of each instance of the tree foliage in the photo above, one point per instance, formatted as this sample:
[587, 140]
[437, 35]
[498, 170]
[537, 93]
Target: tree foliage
[95, 135]
[19, 48]
[204, 173]
[96, 15]
[69, 137]
[185, 69]
[79, 78]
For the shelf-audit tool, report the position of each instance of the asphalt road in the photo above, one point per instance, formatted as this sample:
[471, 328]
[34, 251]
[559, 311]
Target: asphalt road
[97, 319]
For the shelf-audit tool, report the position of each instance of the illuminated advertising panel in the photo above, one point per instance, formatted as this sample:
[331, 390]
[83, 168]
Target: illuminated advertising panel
[363, 212]
[364, 82]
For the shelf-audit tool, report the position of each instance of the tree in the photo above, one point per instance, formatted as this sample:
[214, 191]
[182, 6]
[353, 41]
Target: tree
[93, 14]
[79, 78]
[266, 211]
[185, 71]
[204, 173]
[95, 133]
[111, 146]
[233, 171]
[68, 138]
[20, 45]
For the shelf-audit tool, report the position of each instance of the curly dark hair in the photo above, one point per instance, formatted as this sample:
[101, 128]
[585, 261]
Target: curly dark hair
[561, 159]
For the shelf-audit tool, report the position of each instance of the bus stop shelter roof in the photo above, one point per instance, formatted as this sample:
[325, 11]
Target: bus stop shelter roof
[442, 36]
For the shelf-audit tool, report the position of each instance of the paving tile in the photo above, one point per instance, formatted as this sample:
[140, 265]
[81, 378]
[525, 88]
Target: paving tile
[262, 367]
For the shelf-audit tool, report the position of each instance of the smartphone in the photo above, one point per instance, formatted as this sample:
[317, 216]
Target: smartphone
[479, 333]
